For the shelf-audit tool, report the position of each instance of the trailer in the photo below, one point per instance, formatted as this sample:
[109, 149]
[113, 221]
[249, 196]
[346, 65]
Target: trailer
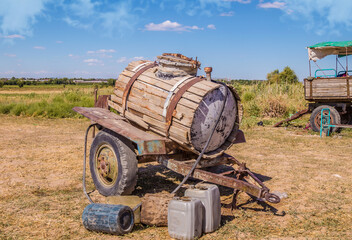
[328, 88]
[119, 147]
[124, 140]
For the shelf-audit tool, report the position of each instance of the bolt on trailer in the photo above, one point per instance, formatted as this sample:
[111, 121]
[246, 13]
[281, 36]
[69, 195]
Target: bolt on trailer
[329, 88]
[168, 114]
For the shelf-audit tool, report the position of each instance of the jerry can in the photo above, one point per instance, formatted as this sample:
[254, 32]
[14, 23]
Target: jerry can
[209, 195]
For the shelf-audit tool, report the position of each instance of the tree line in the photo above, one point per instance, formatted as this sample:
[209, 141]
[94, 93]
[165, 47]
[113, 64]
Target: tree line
[286, 76]
[53, 81]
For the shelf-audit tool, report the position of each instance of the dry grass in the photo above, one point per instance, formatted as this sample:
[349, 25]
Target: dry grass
[41, 196]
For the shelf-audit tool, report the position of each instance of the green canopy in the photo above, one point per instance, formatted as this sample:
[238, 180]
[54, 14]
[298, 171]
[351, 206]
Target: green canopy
[321, 50]
[342, 44]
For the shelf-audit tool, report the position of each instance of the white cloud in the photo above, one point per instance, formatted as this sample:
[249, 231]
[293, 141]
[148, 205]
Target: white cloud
[239, 1]
[170, 26]
[125, 59]
[205, 7]
[321, 16]
[73, 56]
[76, 23]
[101, 51]
[120, 19]
[18, 16]
[93, 62]
[105, 56]
[39, 47]
[227, 14]
[137, 58]
[10, 55]
[211, 26]
[277, 5]
[121, 60]
[59, 42]
[114, 17]
[83, 8]
[13, 36]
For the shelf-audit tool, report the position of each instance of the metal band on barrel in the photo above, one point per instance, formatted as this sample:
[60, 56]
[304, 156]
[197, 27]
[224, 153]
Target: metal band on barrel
[172, 91]
[175, 100]
[140, 66]
[130, 83]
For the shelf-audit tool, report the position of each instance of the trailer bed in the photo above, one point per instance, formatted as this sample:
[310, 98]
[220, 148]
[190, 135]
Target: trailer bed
[147, 143]
[328, 89]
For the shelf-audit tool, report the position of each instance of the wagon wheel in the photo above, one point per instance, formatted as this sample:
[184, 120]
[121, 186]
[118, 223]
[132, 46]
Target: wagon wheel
[315, 117]
[113, 164]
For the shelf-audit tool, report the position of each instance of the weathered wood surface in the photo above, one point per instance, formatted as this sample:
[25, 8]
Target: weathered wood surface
[146, 101]
[328, 88]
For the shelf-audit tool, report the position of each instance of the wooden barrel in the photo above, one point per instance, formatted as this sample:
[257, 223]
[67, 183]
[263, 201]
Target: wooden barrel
[183, 108]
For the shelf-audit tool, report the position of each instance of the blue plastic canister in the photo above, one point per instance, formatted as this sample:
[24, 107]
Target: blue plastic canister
[108, 218]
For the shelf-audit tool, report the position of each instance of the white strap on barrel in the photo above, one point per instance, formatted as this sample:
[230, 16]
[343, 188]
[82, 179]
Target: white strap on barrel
[172, 91]
[140, 66]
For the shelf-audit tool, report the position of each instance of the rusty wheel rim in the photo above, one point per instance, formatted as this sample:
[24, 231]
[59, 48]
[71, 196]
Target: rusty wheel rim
[106, 165]
[317, 119]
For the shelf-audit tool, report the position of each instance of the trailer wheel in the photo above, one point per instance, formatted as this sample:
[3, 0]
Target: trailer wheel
[315, 118]
[113, 164]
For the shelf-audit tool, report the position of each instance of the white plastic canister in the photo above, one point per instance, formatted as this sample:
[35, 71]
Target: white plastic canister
[209, 195]
[185, 217]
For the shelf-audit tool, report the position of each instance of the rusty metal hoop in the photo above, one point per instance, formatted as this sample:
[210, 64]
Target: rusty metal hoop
[130, 83]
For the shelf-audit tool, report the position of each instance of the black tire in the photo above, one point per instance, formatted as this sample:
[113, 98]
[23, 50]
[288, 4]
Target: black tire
[113, 164]
[315, 117]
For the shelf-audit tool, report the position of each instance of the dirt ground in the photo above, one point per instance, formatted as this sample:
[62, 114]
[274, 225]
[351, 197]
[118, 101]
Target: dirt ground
[41, 191]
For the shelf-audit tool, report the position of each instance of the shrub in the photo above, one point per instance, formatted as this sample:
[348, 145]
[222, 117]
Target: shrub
[6, 108]
[286, 76]
[274, 107]
[20, 83]
[273, 77]
[111, 82]
[253, 110]
[19, 109]
[248, 96]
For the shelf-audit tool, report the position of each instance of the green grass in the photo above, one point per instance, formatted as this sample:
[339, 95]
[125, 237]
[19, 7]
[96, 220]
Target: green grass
[48, 102]
[261, 101]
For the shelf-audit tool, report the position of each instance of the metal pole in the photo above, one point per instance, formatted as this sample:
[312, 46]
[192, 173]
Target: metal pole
[310, 69]
[346, 62]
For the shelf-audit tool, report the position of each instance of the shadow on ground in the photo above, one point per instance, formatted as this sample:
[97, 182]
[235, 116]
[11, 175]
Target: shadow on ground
[155, 178]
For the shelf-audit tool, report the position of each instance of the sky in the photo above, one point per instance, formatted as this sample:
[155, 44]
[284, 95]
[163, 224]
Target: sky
[240, 39]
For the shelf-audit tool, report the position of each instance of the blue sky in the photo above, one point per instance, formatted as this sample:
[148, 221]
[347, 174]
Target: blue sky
[238, 38]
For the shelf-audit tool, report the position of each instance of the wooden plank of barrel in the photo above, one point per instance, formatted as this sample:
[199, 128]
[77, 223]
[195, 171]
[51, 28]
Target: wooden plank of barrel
[194, 116]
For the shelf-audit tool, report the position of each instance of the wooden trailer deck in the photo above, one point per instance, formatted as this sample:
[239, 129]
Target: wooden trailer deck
[328, 89]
